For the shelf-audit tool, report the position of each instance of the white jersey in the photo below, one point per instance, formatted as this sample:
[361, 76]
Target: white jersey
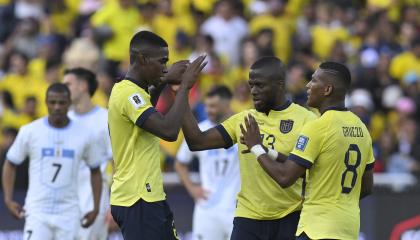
[97, 121]
[219, 173]
[54, 158]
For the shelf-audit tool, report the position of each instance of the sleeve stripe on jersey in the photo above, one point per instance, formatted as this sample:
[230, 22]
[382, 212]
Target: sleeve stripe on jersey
[225, 135]
[299, 160]
[144, 116]
[369, 166]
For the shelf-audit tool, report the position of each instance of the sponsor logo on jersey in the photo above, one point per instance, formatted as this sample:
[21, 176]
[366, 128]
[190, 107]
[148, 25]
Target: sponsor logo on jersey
[136, 100]
[302, 142]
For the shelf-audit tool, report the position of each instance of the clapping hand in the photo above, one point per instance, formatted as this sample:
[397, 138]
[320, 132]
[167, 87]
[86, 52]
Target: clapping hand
[250, 133]
[191, 73]
[174, 74]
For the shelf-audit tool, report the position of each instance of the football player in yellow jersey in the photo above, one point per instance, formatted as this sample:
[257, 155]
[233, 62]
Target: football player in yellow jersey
[138, 202]
[264, 210]
[335, 151]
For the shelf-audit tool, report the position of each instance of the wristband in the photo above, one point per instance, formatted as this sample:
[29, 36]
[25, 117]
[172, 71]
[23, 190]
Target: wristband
[258, 150]
[273, 154]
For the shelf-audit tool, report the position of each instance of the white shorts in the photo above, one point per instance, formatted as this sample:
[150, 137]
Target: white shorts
[50, 227]
[211, 224]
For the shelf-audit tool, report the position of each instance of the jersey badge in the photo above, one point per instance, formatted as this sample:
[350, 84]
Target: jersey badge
[136, 100]
[301, 143]
[286, 126]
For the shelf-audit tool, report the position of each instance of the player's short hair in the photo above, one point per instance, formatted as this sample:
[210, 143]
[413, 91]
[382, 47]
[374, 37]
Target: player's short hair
[341, 72]
[147, 39]
[58, 88]
[275, 67]
[85, 75]
[220, 91]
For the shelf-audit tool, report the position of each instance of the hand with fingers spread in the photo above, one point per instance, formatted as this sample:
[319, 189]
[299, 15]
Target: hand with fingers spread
[193, 70]
[250, 133]
[174, 74]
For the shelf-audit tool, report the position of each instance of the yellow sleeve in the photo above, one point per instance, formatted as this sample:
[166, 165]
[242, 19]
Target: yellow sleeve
[228, 129]
[308, 145]
[137, 107]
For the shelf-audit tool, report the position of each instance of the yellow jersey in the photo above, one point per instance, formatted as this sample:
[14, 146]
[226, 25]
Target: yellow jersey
[260, 196]
[336, 148]
[136, 151]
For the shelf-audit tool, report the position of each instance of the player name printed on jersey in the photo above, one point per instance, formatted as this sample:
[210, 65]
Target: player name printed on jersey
[352, 131]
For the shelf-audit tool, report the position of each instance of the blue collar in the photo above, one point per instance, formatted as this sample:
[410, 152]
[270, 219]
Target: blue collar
[284, 106]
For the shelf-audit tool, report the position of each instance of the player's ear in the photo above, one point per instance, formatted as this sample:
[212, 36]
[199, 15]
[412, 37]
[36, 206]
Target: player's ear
[142, 59]
[328, 89]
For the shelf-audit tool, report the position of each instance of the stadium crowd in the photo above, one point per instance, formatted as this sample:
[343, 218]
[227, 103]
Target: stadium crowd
[378, 39]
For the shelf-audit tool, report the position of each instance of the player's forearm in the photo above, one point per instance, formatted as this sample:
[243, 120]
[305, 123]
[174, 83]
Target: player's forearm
[275, 169]
[367, 184]
[174, 117]
[155, 93]
[8, 180]
[96, 183]
[192, 133]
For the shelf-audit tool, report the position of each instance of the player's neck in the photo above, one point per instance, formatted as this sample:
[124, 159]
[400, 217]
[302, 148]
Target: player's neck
[58, 122]
[331, 104]
[134, 75]
[84, 105]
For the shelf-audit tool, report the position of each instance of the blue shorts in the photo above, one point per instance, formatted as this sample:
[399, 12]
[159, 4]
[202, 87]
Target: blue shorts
[145, 221]
[278, 229]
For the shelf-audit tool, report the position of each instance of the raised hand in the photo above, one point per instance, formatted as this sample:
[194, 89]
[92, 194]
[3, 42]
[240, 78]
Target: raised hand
[250, 133]
[193, 70]
[89, 218]
[174, 74]
[15, 209]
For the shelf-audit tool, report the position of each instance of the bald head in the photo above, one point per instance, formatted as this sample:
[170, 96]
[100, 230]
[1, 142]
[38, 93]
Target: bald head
[270, 68]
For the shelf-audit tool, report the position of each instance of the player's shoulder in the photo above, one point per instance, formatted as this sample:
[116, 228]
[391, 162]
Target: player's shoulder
[37, 125]
[100, 112]
[239, 116]
[300, 113]
[80, 128]
[127, 87]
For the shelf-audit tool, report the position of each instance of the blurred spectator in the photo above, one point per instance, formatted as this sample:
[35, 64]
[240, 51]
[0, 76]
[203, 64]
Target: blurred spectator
[227, 29]
[276, 23]
[172, 27]
[114, 25]
[327, 30]
[406, 62]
